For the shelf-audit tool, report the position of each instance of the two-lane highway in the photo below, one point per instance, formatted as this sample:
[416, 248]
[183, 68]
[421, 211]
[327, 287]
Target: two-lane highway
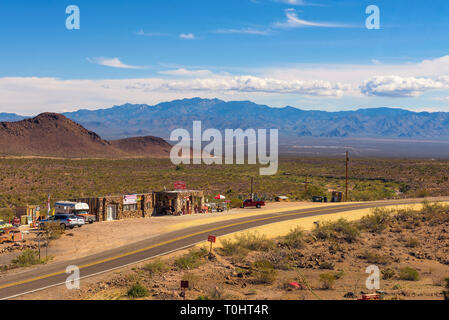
[53, 274]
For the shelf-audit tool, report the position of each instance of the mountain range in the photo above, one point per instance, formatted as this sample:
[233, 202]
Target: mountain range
[133, 120]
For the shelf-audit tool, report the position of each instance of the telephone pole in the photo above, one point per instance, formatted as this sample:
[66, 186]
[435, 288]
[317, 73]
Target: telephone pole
[252, 190]
[347, 169]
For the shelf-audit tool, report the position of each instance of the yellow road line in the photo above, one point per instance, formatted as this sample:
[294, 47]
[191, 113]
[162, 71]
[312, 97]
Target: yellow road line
[171, 241]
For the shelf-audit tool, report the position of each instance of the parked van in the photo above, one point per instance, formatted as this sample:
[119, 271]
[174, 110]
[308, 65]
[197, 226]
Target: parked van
[79, 209]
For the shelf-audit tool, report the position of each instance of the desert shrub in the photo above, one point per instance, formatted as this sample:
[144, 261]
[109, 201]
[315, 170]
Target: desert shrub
[388, 274]
[157, 266]
[435, 212]
[54, 229]
[193, 280]
[326, 265]
[407, 215]
[374, 257]
[249, 241]
[263, 272]
[192, 260]
[216, 293]
[412, 243]
[138, 291]
[6, 214]
[27, 258]
[327, 280]
[377, 221]
[341, 229]
[236, 203]
[409, 274]
[294, 239]
[422, 193]
[446, 292]
[255, 242]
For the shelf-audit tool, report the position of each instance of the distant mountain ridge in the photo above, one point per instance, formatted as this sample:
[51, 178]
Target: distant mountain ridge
[132, 120]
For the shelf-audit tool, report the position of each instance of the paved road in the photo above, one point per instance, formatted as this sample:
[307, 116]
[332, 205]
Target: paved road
[54, 274]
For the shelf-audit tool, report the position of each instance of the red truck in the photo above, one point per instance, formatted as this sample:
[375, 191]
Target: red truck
[253, 203]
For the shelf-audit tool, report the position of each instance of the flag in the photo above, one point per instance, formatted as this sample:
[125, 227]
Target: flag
[48, 205]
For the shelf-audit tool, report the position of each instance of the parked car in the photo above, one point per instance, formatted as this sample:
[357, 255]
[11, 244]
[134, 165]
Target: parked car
[10, 235]
[253, 203]
[64, 220]
[81, 221]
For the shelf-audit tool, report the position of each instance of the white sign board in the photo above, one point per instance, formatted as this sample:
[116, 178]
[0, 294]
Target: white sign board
[130, 199]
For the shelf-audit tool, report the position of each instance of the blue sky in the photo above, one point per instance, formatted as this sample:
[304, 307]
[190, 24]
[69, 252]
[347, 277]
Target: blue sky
[307, 54]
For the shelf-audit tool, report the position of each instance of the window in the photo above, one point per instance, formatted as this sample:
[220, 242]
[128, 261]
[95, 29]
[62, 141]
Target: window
[130, 207]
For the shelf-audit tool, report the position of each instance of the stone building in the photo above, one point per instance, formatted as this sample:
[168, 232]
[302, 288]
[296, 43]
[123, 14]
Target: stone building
[185, 201]
[120, 207]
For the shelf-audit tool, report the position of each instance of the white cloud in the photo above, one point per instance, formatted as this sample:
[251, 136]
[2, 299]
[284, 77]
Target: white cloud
[186, 72]
[188, 36]
[112, 62]
[293, 21]
[293, 2]
[262, 85]
[250, 31]
[141, 32]
[441, 99]
[395, 86]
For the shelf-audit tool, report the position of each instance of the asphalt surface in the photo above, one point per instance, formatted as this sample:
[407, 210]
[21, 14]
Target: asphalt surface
[53, 274]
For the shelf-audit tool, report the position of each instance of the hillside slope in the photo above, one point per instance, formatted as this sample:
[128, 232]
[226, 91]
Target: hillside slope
[52, 134]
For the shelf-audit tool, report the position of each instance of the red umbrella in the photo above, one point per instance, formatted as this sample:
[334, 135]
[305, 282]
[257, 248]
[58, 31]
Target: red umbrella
[220, 197]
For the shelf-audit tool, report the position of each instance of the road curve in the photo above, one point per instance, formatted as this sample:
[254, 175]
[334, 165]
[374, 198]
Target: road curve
[54, 274]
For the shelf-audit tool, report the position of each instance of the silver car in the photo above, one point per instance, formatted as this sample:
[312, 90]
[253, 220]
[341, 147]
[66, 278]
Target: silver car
[65, 221]
[81, 221]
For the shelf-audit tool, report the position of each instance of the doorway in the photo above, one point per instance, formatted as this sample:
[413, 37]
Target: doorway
[111, 212]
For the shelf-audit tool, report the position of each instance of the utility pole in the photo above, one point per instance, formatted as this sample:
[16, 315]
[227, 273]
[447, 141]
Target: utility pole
[347, 168]
[306, 183]
[252, 190]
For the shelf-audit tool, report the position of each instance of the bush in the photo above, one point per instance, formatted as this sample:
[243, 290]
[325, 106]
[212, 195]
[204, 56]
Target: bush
[339, 230]
[374, 257]
[138, 291]
[236, 203]
[377, 221]
[446, 292]
[412, 243]
[27, 258]
[327, 280]
[157, 266]
[388, 274]
[263, 272]
[54, 229]
[192, 260]
[295, 239]
[409, 274]
[245, 242]
[6, 214]
[193, 280]
[327, 265]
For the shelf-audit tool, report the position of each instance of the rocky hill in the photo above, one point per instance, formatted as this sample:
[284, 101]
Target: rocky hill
[52, 134]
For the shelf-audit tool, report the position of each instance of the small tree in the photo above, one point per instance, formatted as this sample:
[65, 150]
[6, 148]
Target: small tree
[446, 292]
